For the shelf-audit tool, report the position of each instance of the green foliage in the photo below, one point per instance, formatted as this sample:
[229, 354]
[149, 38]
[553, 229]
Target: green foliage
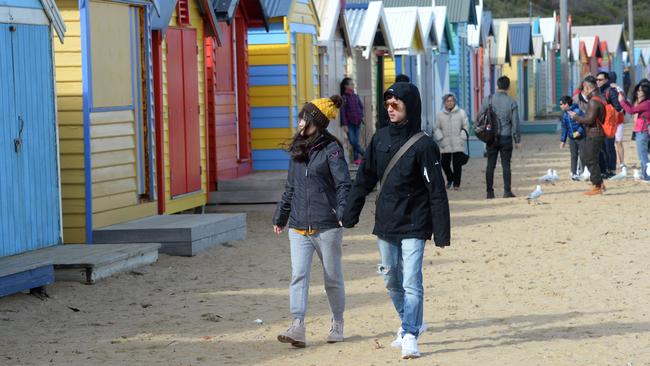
[583, 12]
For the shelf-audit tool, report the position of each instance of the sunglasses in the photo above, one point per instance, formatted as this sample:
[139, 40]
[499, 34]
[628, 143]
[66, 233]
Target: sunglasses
[395, 105]
[600, 79]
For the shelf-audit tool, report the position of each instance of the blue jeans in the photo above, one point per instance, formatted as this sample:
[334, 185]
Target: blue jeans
[327, 244]
[642, 152]
[353, 136]
[401, 266]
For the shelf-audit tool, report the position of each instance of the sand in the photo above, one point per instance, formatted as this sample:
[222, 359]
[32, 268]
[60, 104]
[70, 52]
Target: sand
[560, 283]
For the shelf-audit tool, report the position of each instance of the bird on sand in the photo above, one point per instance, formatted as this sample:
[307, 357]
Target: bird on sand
[535, 195]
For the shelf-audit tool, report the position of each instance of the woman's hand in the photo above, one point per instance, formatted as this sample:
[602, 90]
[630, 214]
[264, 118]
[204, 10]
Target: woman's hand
[620, 97]
[278, 229]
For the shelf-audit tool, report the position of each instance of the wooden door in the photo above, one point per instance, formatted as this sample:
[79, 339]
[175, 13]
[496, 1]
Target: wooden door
[183, 111]
[29, 186]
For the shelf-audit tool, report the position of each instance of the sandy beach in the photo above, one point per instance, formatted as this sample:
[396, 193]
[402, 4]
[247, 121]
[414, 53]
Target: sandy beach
[564, 282]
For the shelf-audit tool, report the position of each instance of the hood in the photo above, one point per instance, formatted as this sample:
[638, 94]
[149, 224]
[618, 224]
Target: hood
[410, 95]
[454, 110]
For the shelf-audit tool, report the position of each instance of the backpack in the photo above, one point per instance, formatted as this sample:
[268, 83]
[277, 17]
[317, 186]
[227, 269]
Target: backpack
[486, 128]
[610, 122]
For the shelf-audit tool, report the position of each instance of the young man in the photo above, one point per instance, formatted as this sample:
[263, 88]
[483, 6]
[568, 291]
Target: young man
[592, 123]
[572, 131]
[610, 95]
[411, 205]
[507, 112]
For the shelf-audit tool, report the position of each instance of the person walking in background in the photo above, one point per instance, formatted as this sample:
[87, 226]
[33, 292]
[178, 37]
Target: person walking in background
[592, 123]
[610, 95]
[318, 183]
[352, 117]
[451, 133]
[573, 132]
[641, 124]
[507, 113]
[411, 206]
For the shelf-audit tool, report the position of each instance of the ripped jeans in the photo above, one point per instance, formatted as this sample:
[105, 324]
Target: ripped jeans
[401, 266]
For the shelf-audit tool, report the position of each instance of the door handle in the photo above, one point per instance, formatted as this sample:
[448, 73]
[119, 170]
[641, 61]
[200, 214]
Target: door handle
[18, 142]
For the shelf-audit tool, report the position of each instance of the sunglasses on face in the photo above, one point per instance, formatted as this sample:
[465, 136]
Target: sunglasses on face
[395, 105]
[600, 79]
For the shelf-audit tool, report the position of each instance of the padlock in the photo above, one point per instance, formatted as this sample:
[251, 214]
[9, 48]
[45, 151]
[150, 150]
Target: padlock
[18, 144]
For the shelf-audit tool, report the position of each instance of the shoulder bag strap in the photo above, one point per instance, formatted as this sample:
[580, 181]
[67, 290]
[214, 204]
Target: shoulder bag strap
[398, 155]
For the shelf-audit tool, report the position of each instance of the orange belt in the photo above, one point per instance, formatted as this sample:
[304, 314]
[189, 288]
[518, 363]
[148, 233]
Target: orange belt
[306, 232]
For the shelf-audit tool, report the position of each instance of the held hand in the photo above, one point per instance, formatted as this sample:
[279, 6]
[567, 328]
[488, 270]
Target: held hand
[562, 145]
[621, 97]
[278, 229]
[341, 223]
[345, 128]
[519, 146]
[571, 114]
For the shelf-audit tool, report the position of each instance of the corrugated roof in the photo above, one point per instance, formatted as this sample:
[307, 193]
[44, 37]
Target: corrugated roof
[364, 24]
[548, 28]
[520, 39]
[612, 34]
[538, 47]
[277, 8]
[460, 11]
[500, 54]
[442, 26]
[427, 27]
[331, 18]
[395, 3]
[486, 26]
[402, 24]
[355, 22]
[161, 21]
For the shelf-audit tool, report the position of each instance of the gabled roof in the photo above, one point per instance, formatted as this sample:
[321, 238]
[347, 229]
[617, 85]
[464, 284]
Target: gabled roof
[500, 54]
[487, 29]
[612, 34]
[474, 30]
[591, 46]
[460, 11]
[639, 59]
[538, 47]
[426, 21]
[277, 8]
[332, 17]
[207, 11]
[404, 30]
[443, 28]
[225, 9]
[52, 12]
[368, 27]
[161, 20]
[548, 29]
[520, 38]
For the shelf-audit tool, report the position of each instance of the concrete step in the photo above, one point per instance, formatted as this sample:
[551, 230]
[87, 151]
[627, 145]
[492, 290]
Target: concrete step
[182, 235]
[19, 273]
[245, 196]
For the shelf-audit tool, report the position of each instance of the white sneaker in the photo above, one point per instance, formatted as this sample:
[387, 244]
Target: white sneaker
[410, 347]
[397, 343]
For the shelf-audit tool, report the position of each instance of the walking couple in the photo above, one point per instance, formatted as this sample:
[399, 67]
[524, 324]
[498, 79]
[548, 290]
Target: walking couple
[320, 200]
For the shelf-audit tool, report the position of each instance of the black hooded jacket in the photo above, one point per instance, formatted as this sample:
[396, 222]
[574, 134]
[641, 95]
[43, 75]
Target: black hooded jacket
[316, 191]
[413, 202]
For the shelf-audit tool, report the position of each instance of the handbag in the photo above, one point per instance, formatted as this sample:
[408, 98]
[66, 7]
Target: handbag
[465, 157]
[398, 155]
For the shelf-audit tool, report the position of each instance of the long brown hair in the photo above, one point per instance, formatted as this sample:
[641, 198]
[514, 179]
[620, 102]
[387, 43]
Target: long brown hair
[300, 146]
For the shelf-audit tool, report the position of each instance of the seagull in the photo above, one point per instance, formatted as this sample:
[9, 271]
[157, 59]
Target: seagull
[585, 175]
[550, 176]
[621, 175]
[535, 195]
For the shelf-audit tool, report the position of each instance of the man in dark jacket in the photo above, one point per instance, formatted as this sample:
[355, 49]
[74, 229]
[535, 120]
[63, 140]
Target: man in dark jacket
[592, 122]
[507, 112]
[608, 151]
[411, 206]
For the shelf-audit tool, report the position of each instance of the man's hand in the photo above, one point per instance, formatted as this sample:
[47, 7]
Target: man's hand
[571, 114]
[562, 145]
[519, 146]
[278, 229]
[345, 128]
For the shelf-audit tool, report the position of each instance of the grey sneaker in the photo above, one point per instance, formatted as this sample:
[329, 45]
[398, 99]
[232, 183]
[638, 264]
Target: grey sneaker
[295, 334]
[336, 332]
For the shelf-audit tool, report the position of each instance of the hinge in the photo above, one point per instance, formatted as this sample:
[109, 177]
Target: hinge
[201, 169]
[197, 49]
[198, 109]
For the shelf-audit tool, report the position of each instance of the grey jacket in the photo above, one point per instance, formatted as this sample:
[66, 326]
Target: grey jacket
[508, 113]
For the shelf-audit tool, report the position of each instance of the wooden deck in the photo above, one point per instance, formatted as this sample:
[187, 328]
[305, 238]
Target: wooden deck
[86, 263]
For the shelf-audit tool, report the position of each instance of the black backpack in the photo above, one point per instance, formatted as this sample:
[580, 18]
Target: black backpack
[487, 125]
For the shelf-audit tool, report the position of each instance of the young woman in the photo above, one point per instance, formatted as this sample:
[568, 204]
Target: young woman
[642, 123]
[312, 207]
[451, 133]
[352, 117]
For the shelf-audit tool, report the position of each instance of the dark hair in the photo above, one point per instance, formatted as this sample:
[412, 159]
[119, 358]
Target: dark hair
[300, 146]
[344, 83]
[503, 83]
[590, 80]
[603, 73]
[566, 100]
[401, 78]
[645, 87]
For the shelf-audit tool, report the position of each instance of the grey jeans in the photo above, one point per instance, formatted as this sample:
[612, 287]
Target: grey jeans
[327, 244]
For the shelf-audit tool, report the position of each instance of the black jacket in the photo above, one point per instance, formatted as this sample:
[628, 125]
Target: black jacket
[316, 191]
[413, 202]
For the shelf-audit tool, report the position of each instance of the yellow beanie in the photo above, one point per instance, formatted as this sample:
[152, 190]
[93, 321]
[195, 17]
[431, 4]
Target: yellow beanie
[328, 106]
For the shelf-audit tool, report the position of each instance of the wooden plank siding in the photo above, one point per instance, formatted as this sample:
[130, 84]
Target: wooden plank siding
[189, 201]
[67, 58]
[389, 71]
